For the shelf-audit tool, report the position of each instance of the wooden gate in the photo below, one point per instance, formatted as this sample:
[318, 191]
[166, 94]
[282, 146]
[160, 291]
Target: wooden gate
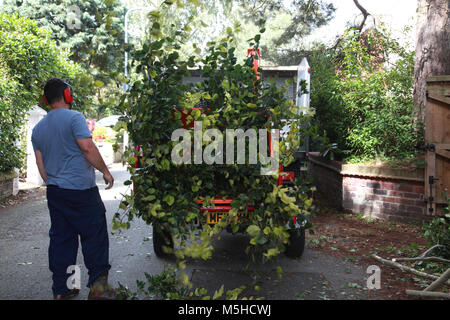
[437, 138]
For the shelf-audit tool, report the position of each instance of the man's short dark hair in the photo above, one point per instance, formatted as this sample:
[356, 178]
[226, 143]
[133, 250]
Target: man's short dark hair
[54, 90]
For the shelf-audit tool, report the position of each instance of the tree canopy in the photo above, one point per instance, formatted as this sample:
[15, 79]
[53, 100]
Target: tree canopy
[92, 31]
[305, 16]
[286, 23]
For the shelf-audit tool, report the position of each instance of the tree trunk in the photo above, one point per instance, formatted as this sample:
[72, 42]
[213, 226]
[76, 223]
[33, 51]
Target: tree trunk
[432, 46]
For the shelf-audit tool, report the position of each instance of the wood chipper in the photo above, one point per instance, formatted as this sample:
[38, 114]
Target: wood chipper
[212, 213]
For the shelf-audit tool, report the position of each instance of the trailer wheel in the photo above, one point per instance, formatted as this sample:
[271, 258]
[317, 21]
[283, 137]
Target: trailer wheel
[161, 240]
[296, 244]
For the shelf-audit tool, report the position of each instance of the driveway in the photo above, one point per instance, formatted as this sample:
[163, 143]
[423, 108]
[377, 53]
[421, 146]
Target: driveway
[24, 272]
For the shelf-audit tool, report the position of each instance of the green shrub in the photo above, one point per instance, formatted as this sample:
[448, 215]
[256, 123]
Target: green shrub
[363, 97]
[11, 119]
[28, 58]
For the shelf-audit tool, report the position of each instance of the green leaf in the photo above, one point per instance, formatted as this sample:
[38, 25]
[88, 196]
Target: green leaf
[272, 253]
[195, 2]
[123, 206]
[169, 199]
[152, 73]
[99, 84]
[280, 272]
[219, 293]
[132, 161]
[253, 230]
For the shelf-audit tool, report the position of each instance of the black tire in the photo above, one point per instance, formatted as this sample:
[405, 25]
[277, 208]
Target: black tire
[161, 240]
[296, 244]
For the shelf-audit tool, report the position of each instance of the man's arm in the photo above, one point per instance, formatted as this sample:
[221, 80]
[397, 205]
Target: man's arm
[40, 165]
[94, 157]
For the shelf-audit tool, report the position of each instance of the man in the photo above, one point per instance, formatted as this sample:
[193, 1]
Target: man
[66, 157]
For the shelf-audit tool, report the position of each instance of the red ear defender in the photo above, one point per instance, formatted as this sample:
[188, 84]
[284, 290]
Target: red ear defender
[45, 99]
[68, 95]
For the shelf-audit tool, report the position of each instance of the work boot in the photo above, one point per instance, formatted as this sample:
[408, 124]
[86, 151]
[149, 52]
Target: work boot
[102, 290]
[66, 296]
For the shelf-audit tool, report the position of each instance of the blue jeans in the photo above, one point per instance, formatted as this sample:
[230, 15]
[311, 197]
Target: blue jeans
[73, 214]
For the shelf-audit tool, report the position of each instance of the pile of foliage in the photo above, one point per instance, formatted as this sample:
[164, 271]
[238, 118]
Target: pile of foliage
[168, 285]
[28, 58]
[362, 93]
[232, 97]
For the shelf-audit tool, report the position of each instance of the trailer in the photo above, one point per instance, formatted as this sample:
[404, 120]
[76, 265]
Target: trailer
[213, 212]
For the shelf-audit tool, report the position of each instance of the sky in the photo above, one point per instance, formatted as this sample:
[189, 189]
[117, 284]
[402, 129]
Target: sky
[395, 13]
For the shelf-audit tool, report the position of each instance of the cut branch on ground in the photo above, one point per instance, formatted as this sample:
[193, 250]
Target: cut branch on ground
[406, 268]
[431, 249]
[437, 259]
[429, 292]
[439, 282]
[426, 294]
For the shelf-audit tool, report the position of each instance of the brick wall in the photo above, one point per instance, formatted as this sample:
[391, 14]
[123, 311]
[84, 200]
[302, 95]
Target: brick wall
[390, 197]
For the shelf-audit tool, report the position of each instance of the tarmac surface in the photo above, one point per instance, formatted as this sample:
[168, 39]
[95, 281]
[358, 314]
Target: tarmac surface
[24, 272]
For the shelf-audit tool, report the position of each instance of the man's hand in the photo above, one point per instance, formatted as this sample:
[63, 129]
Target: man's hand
[109, 180]
[94, 157]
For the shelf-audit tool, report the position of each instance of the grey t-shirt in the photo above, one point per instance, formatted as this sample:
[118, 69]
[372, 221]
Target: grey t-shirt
[55, 137]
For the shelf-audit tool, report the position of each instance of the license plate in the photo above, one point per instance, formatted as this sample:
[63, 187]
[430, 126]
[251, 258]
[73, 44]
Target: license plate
[214, 217]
